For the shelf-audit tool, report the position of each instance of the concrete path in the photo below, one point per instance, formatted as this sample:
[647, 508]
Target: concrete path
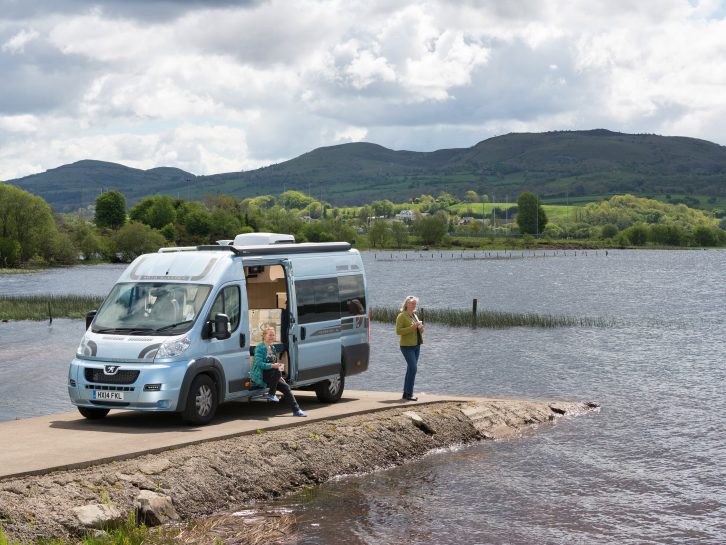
[63, 441]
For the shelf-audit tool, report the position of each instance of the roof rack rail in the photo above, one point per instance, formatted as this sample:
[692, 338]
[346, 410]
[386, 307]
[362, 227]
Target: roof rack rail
[303, 248]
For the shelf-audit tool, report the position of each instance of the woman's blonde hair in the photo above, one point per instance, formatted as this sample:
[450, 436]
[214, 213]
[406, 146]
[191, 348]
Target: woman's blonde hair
[268, 328]
[407, 300]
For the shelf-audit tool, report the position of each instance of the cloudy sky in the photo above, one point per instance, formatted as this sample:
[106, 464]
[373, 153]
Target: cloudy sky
[219, 86]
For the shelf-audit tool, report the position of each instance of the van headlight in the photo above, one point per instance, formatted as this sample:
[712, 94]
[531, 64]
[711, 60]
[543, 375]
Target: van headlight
[86, 348]
[174, 347]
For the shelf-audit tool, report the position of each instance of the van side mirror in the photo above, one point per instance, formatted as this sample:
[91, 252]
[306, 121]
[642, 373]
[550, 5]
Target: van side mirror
[220, 327]
[90, 315]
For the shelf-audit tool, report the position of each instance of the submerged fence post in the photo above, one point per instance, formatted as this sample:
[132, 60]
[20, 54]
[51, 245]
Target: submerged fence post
[50, 313]
[473, 312]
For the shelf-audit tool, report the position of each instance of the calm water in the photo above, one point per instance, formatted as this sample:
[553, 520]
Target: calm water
[650, 467]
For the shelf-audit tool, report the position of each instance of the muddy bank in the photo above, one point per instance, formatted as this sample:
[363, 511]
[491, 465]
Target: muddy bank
[227, 474]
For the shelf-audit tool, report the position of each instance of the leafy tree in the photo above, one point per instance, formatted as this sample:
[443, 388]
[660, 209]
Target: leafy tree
[637, 234]
[161, 212]
[706, 236]
[383, 208]
[531, 217]
[430, 229]
[609, 230]
[110, 210]
[26, 219]
[364, 213]
[399, 232]
[378, 234]
[134, 239]
[294, 199]
[471, 196]
[315, 232]
[198, 223]
[9, 252]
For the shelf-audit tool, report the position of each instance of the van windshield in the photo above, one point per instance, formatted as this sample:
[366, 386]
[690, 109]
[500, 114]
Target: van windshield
[150, 308]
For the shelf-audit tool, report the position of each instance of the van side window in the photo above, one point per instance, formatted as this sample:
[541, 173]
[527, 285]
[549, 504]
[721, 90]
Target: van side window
[317, 300]
[352, 295]
[227, 302]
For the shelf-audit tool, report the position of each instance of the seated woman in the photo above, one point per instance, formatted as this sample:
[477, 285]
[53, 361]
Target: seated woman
[266, 370]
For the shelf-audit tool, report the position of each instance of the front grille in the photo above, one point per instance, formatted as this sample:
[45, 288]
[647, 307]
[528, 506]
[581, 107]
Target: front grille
[110, 388]
[121, 377]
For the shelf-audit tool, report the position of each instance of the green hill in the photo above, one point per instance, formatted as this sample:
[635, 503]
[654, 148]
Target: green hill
[560, 166]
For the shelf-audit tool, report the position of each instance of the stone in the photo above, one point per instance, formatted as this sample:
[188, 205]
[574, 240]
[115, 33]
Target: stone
[154, 509]
[153, 467]
[98, 515]
[420, 423]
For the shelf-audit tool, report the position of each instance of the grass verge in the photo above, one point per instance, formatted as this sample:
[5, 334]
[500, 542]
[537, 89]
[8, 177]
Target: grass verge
[45, 307]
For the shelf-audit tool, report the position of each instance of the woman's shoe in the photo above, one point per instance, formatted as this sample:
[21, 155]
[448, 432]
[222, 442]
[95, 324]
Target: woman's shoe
[409, 397]
[298, 413]
[272, 397]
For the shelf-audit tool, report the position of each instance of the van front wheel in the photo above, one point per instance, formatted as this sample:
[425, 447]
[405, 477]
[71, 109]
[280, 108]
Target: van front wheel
[93, 414]
[330, 391]
[201, 401]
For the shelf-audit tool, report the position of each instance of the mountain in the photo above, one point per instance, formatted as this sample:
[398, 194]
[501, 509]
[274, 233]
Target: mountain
[561, 164]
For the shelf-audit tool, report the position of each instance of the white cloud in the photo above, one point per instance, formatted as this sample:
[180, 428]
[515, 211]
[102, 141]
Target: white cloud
[17, 43]
[223, 86]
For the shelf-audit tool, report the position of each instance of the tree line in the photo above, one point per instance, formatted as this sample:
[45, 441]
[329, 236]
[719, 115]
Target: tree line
[31, 234]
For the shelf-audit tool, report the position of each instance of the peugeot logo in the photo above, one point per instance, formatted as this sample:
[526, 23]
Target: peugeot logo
[110, 369]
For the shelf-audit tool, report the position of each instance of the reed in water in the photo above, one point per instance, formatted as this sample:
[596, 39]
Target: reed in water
[490, 319]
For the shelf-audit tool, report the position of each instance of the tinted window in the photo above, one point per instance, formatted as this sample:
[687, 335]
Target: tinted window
[317, 300]
[352, 295]
[227, 302]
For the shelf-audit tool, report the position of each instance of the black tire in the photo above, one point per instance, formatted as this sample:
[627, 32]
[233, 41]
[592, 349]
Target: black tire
[93, 414]
[201, 401]
[330, 391]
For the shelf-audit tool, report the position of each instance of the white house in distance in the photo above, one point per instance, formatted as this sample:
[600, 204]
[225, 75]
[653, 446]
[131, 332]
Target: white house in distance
[406, 216]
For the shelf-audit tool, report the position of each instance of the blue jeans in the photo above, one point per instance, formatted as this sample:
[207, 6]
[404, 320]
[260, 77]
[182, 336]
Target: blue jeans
[410, 353]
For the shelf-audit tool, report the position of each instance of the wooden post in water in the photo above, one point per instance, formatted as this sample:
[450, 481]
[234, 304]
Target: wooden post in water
[50, 313]
[473, 312]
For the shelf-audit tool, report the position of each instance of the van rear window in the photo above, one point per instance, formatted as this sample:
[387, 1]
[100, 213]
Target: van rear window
[324, 299]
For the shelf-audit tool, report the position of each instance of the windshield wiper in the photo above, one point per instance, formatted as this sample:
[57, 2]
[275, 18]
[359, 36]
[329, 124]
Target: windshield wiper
[172, 326]
[129, 330]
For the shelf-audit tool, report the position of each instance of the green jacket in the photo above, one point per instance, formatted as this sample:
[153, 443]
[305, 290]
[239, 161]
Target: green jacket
[262, 362]
[406, 330]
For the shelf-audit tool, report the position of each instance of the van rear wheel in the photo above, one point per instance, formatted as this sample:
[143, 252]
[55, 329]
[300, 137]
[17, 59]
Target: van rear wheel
[93, 414]
[330, 391]
[201, 401]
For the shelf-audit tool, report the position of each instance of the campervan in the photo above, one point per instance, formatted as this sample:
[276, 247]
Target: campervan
[178, 329]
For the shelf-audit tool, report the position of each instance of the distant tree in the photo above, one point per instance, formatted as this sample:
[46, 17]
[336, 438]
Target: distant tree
[294, 199]
[198, 223]
[430, 229]
[110, 210]
[706, 236]
[609, 231]
[27, 219]
[637, 234]
[383, 208]
[161, 212]
[378, 233]
[471, 196]
[364, 213]
[9, 252]
[399, 232]
[531, 217]
[134, 239]
[315, 232]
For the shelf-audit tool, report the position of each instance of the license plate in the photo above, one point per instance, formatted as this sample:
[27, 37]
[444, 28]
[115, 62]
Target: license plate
[102, 395]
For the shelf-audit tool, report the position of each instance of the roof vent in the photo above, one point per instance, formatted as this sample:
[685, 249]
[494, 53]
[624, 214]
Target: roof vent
[263, 239]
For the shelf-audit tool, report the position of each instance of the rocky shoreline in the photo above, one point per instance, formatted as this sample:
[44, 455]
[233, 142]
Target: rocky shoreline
[227, 474]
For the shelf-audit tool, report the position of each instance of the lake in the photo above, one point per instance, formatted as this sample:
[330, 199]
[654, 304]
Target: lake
[649, 467]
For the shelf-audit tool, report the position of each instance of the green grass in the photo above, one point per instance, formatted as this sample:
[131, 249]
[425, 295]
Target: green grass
[43, 307]
[491, 319]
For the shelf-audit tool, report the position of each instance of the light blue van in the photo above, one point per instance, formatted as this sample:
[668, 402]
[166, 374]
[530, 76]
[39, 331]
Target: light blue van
[177, 330]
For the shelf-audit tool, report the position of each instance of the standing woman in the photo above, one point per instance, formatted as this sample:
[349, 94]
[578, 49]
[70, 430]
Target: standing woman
[410, 329]
[267, 370]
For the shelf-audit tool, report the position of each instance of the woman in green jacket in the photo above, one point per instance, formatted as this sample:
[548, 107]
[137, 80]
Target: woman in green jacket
[267, 371]
[410, 329]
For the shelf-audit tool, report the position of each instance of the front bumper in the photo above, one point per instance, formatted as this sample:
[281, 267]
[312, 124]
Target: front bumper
[133, 385]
